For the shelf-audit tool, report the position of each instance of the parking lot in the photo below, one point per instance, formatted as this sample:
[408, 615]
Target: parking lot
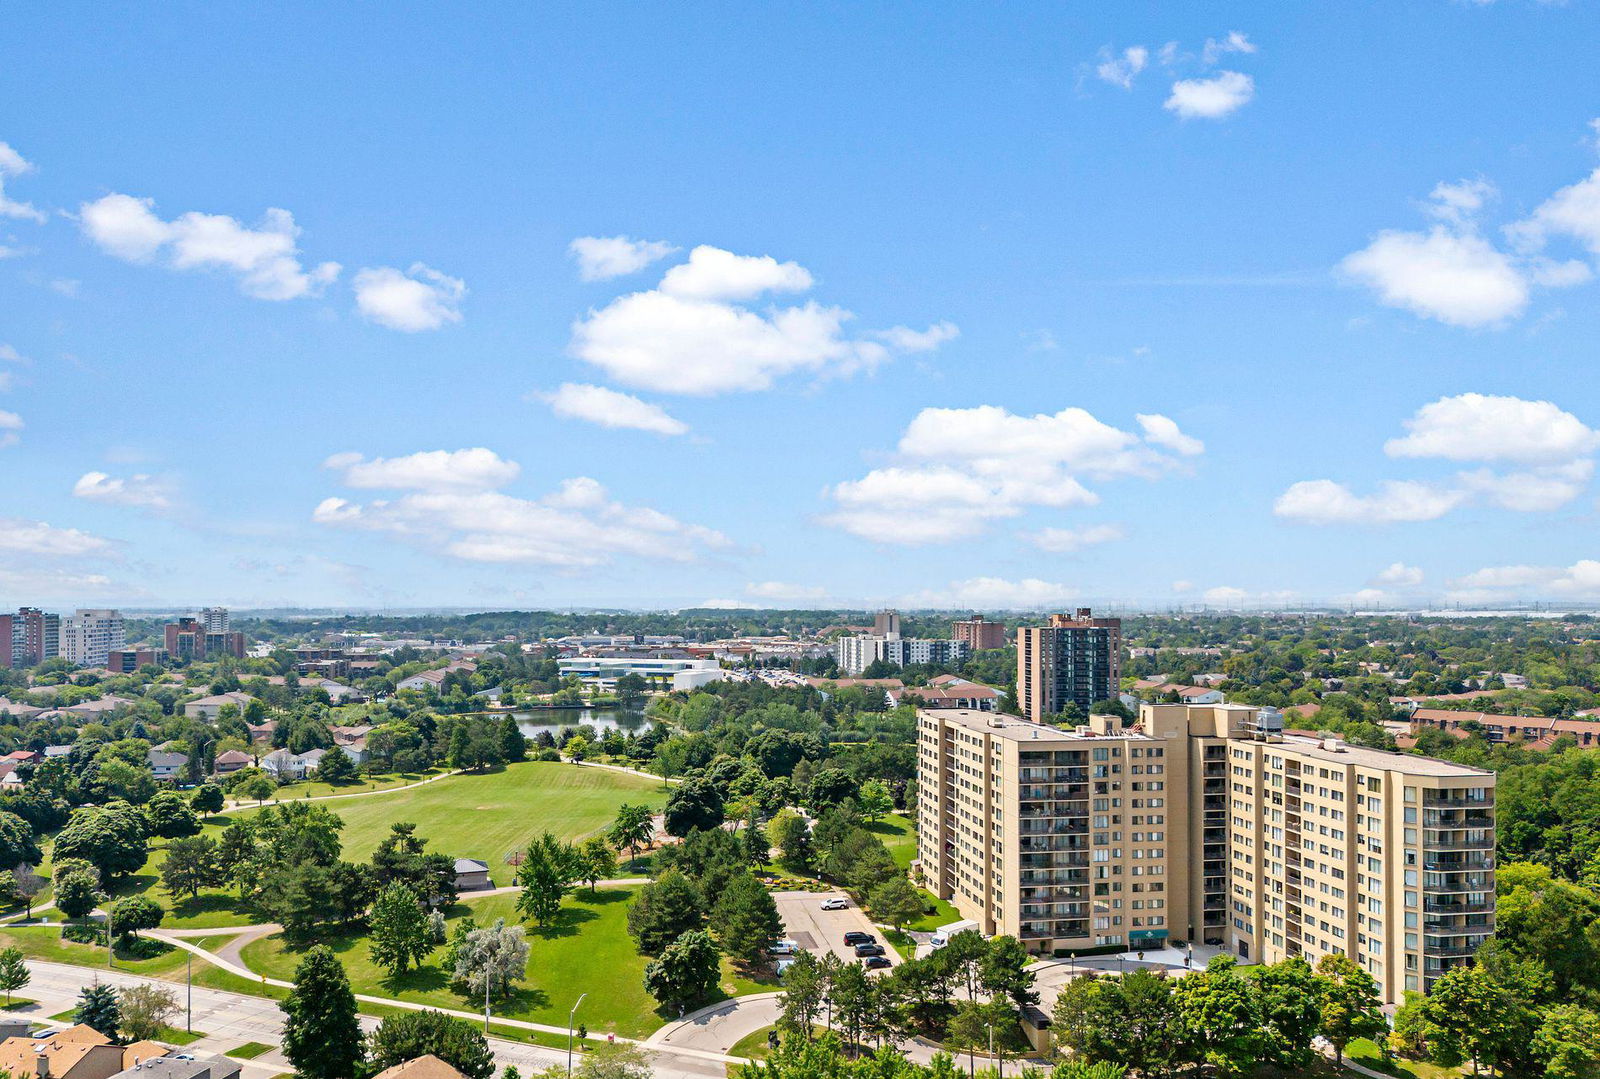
[819, 931]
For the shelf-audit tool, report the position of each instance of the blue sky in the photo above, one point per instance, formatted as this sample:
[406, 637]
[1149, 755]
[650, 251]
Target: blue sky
[946, 305]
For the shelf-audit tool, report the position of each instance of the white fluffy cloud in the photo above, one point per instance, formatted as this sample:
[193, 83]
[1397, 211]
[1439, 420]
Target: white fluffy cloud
[266, 259]
[1551, 449]
[1161, 431]
[1211, 98]
[1121, 69]
[609, 408]
[1070, 540]
[1573, 212]
[962, 468]
[1236, 41]
[603, 257]
[1482, 427]
[139, 490]
[453, 507]
[1579, 581]
[1398, 575]
[1456, 275]
[1325, 502]
[13, 164]
[38, 538]
[690, 335]
[1456, 278]
[10, 428]
[996, 594]
[714, 274]
[417, 299]
[432, 470]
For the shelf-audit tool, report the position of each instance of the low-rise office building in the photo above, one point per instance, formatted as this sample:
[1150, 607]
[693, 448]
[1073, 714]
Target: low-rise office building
[1207, 824]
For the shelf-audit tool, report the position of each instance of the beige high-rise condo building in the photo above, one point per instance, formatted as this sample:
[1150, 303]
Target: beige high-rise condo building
[1207, 824]
[1074, 659]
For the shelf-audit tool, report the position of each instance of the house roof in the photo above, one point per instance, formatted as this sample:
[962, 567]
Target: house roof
[220, 699]
[159, 759]
[234, 756]
[423, 1067]
[64, 1051]
[471, 865]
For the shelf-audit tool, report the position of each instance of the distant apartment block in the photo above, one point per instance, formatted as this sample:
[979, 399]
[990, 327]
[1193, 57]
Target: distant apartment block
[207, 635]
[886, 624]
[88, 637]
[29, 637]
[1073, 659]
[128, 660]
[978, 632]
[856, 654]
[1205, 823]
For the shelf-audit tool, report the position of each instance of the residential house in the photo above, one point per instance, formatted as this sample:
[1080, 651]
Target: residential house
[353, 740]
[23, 756]
[176, 1064]
[472, 875]
[166, 766]
[950, 691]
[284, 766]
[209, 708]
[231, 761]
[433, 679]
[78, 1052]
[423, 1067]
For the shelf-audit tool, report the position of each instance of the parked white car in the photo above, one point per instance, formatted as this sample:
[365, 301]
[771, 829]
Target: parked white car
[836, 903]
[784, 947]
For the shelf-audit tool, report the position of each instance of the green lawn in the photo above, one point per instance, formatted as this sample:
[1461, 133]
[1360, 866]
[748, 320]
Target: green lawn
[941, 913]
[487, 815]
[587, 951]
[311, 788]
[896, 832]
[249, 1050]
[1367, 1052]
[44, 942]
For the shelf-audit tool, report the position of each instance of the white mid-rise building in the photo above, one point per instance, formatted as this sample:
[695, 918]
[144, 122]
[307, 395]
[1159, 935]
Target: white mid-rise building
[856, 654]
[215, 619]
[88, 637]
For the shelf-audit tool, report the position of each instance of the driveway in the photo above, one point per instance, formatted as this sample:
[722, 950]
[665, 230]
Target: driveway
[821, 931]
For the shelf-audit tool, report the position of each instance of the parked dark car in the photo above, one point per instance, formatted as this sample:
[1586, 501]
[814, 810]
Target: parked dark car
[876, 962]
[856, 936]
[865, 950]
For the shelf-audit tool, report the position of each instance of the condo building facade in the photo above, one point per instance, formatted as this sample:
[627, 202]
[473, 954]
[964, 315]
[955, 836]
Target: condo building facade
[1207, 824]
[1072, 659]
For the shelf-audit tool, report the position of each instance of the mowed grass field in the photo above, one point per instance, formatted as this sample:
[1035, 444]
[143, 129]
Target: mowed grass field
[587, 950]
[473, 815]
[486, 815]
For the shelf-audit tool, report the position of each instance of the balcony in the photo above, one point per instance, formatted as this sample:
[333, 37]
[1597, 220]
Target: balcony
[1447, 883]
[1456, 841]
[1456, 863]
[1457, 818]
[1449, 923]
[1457, 907]
[1457, 803]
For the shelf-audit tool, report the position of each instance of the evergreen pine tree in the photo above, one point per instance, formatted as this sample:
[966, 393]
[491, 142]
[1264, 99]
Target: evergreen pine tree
[321, 1037]
[98, 1008]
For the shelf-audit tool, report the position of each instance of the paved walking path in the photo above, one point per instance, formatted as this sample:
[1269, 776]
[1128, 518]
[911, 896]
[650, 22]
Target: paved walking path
[229, 1020]
[237, 805]
[238, 969]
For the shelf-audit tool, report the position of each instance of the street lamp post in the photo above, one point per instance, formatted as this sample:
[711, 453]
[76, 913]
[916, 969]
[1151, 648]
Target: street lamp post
[570, 1016]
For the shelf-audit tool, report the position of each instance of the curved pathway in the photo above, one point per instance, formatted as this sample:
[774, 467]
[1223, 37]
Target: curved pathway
[237, 805]
[410, 1005]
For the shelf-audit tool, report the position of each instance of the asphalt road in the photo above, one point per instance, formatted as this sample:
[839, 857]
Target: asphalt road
[231, 1019]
